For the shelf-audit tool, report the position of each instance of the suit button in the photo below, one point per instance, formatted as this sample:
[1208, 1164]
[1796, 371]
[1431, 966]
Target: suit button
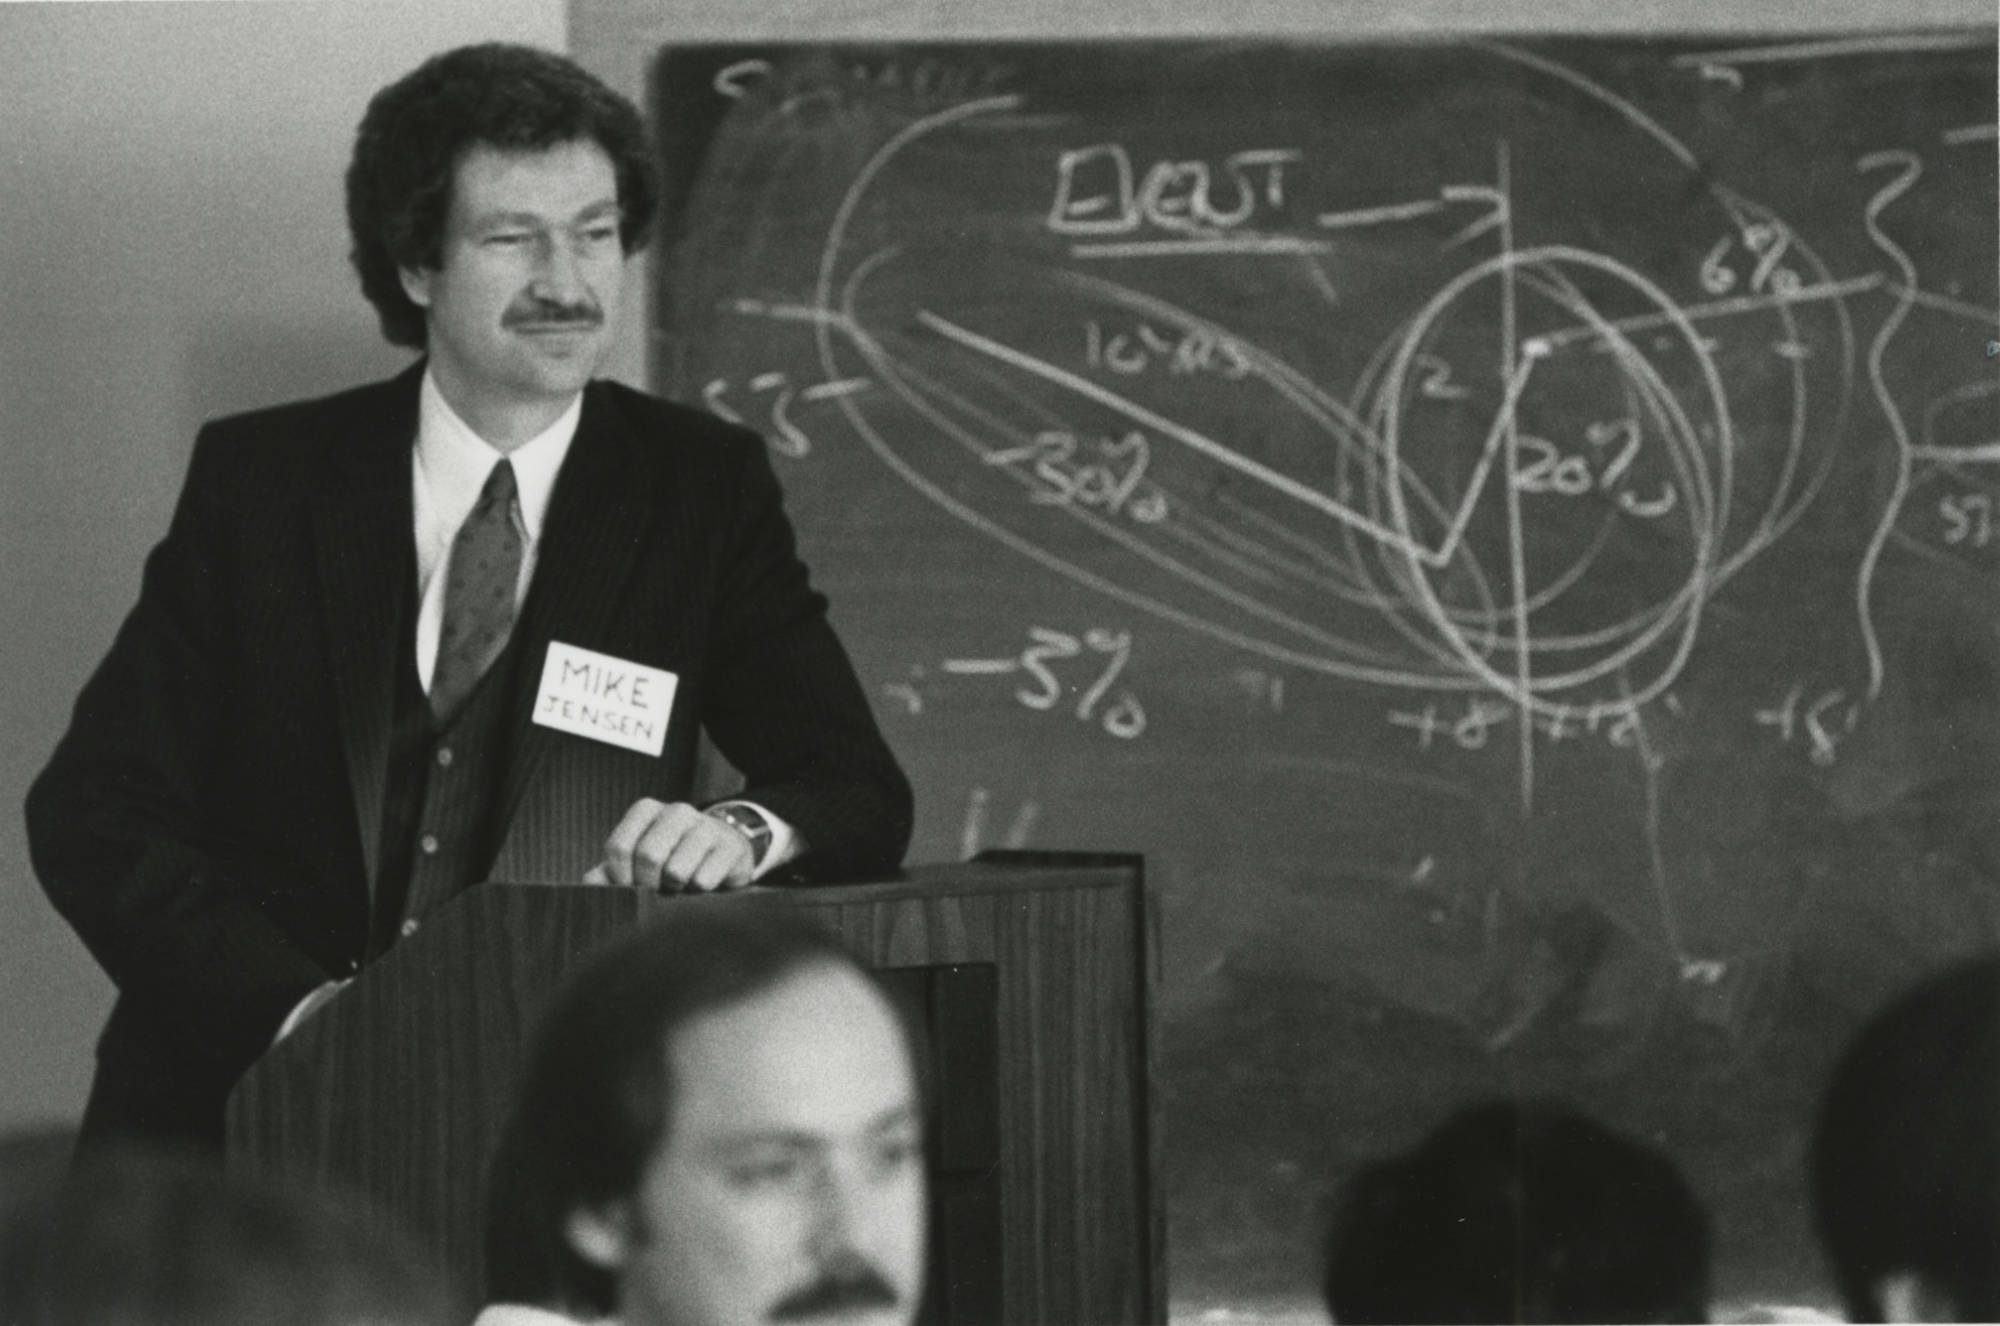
[444, 757]
[429, 843]
[409, 927]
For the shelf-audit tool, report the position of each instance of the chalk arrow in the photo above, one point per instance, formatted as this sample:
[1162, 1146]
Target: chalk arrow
[1722, 73]
[1492, 201]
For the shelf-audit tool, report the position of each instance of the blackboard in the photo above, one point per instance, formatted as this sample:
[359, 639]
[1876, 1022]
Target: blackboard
[1507, 528]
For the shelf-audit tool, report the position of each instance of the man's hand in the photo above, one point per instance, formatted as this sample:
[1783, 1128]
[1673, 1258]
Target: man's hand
[671, 844]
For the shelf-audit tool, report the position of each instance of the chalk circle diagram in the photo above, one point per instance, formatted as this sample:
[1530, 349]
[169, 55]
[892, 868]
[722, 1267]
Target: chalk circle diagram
[1584, 605]
[1525, 482]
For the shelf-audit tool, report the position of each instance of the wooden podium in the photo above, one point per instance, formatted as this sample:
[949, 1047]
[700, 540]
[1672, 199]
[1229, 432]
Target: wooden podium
[1033, 973]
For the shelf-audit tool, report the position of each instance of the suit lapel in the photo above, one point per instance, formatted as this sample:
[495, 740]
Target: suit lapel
[602, 519]
[365, 546]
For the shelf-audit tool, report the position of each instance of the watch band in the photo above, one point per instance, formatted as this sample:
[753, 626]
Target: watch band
[748, 821]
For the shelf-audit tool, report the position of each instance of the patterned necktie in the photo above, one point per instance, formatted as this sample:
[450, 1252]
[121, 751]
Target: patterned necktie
[478, 594]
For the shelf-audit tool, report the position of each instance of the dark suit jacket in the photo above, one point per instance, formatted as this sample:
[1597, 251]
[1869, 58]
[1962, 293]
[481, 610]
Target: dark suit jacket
[210, 821]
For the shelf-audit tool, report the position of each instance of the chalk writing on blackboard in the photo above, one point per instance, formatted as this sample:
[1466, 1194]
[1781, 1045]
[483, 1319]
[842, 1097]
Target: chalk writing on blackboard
[1577, 324]
[1539, 495]
[1118, 712]
[1480, 397]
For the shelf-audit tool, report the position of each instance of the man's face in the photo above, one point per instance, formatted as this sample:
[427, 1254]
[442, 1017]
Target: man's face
[523, 302]
[790, 1186]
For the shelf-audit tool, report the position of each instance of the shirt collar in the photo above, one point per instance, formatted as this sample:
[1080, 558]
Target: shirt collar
[455, 460]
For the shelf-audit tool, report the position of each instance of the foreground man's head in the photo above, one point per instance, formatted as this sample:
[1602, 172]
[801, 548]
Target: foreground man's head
[720, 1124]
[137, 1236]
[1906, 1156]
[1523, 1211]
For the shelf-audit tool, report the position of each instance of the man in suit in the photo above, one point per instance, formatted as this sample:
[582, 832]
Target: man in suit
[462, 625]
[719, 1124]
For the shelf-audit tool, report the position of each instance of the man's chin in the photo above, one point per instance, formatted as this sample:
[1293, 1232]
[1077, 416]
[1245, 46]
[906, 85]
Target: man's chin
[564, 343]
[563, 360]
[552, 377]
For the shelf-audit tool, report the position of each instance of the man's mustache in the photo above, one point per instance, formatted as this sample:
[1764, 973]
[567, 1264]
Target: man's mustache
[553, 313]
[849, 1290]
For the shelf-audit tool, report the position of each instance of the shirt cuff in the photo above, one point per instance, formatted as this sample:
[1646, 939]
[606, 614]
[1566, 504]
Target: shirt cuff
[786, 842]
[520, 1314]
[305, 1008]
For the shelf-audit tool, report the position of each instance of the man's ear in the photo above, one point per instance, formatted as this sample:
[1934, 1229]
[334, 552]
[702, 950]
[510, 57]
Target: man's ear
[1907, 1296]
[417, 284]
[602, 1235]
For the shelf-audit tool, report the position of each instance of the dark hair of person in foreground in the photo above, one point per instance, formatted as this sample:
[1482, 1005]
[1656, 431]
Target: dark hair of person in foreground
[136, 1237]
[1519, 1212]
[595, 1096]
[1906, 1158]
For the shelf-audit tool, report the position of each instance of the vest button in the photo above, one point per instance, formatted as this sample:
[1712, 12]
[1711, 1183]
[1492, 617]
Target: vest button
[409, 927]
[429, 843]
[444, 757]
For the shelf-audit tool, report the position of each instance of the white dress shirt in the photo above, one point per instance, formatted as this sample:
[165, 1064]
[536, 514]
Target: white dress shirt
[452, 465]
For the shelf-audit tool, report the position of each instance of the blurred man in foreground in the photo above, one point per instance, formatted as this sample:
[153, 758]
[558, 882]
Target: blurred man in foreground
[1519, 1212]
[142, 1238]
[719, 1125]
[1906, 1161]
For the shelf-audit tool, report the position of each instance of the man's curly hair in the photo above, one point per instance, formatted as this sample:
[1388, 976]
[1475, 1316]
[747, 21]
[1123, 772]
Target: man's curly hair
[417, 130]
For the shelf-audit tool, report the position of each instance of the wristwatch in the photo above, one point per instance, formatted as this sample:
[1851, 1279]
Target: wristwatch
[748, 821]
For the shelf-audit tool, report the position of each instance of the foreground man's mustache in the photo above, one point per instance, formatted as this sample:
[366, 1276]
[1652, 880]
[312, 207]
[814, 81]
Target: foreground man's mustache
[852, 1289]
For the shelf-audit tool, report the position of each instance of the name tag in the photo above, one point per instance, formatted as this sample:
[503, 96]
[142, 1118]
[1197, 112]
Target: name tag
[607, 699]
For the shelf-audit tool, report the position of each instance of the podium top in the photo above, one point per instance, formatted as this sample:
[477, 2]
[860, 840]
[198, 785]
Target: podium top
[995, 871]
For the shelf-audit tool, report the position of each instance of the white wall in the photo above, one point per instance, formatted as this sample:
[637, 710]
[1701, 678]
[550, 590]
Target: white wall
[172, 246]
